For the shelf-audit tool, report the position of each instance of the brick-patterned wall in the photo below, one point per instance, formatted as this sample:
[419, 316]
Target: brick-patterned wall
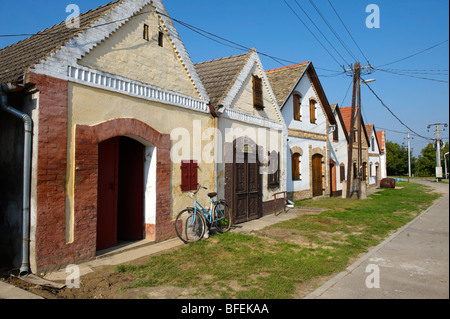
[52, 251]
[51, 171]
[86, 175]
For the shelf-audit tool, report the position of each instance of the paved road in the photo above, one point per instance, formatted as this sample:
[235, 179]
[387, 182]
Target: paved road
[412, 263]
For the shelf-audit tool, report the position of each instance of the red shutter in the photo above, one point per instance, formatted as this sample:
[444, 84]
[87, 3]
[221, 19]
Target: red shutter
[185, 175]
[194, 177]
[189, 176]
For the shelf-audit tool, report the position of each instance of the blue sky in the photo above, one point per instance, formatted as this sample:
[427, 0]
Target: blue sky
[406, 27]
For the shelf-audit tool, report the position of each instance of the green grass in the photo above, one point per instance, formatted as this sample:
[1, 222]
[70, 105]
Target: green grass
[262, 266]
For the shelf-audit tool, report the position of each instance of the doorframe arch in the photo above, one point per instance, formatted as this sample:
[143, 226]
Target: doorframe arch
[87, 139]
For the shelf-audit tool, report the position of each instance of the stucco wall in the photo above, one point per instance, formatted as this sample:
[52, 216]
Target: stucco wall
[339, 153]
[264, 137]
[89, 106]
[126, 53]
[243, 101]
[307, 92]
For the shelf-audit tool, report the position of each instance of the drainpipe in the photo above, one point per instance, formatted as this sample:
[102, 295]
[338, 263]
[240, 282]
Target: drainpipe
[28, 127]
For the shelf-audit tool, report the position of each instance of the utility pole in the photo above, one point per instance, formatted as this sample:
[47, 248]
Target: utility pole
[356, 102]
[409, 156]
[438, 149]
[360, 128]
[356, 80]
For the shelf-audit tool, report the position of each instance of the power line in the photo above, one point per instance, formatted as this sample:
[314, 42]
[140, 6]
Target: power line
[354, 41]
[312, 33]
[413, 55]
[333, 31]
[71, 30]
[348, 90]
[411, 76]
[400, 132]
[320, 31]
[390, 111]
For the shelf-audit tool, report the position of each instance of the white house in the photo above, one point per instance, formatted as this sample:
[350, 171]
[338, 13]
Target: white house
[381, 135]
[374, 155]
[338, 153]
[308, 115]
[249, 127]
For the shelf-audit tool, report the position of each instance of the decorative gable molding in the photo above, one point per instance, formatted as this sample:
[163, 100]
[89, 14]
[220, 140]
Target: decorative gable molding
[63, 63]
[240, 116]
[246, 72]
[114, 83]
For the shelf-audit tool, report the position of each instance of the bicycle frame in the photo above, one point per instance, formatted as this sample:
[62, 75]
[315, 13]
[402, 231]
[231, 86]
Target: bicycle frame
[209, 216]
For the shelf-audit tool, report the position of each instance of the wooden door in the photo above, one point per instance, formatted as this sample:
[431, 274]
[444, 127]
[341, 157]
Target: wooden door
[317, 175]
[108, 167]
[333, 178]
[247, 183]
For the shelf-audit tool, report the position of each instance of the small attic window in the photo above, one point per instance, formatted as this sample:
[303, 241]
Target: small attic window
[146, 32]
[161, 39]
[258, 102]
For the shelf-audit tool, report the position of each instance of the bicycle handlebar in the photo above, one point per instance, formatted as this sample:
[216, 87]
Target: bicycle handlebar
[198, 188]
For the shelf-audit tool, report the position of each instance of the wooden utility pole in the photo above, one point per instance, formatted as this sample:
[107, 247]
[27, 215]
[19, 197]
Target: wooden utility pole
[356, 85]
[360, 128]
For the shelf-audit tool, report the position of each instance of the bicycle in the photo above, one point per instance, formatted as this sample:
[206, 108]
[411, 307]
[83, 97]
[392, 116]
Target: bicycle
[192, 222]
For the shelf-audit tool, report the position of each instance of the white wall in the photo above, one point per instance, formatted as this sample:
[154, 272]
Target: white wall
[339, 152]
[304, 182]
[373, 160]
[306, 90]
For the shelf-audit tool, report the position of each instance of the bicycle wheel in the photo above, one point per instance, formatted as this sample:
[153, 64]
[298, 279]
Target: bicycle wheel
[190, 226]
[222, 216]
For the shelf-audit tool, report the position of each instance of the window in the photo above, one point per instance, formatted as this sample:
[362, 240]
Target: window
[296, 167]
[373, 144]
[355, 170]
[189, 175]
[336, 134]
[161, 39]
[146, 33]
[297, 108]
[371, 171]
[258, 102]
[312, 111]
[342, 172]
[274, 169]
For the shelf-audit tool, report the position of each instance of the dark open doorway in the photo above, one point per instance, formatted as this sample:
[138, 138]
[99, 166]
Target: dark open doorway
[120, 211]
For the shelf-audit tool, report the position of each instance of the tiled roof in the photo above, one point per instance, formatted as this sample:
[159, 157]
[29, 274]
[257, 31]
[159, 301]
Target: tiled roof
[282, 80]
[369, 128]
[381, 135]
[346, 113]
[16, 59]
[219, 75]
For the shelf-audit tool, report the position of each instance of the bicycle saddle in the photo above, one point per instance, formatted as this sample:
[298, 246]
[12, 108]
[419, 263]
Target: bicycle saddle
[211, 195]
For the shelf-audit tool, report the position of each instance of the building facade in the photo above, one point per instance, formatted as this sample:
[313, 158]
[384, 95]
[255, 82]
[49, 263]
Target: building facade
[308, 116]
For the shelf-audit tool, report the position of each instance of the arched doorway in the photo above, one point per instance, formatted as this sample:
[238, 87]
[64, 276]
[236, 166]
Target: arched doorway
[317, 175]
[120, 193]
